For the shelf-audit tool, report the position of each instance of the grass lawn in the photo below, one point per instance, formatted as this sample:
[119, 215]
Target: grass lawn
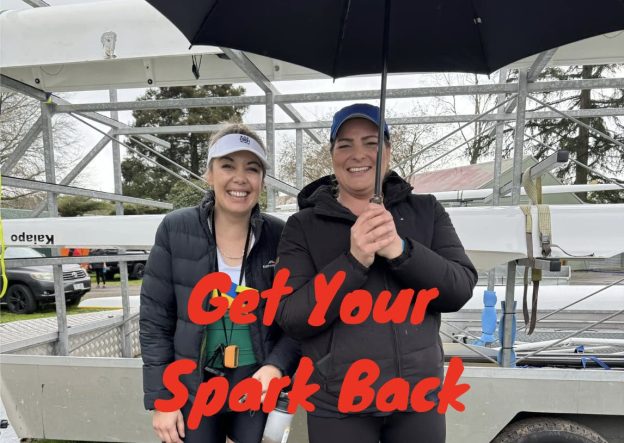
[116, 282]
[48, 311]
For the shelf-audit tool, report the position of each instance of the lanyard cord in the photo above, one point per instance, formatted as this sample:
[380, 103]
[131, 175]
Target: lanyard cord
[241, 275]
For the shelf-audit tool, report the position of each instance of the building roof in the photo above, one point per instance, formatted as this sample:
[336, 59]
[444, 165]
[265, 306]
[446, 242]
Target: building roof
[457, 179]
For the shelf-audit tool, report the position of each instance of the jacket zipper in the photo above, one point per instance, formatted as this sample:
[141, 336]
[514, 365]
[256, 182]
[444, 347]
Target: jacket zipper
[202, 356]
[395, 336]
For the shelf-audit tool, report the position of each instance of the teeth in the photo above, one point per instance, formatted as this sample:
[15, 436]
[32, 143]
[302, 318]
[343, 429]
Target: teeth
[362, 169]
[238, 193]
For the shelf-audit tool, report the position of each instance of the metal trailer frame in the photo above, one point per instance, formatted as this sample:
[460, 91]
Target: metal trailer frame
[62, 388]
[51, 104]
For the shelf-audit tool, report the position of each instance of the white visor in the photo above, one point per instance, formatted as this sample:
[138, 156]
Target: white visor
[234, 143]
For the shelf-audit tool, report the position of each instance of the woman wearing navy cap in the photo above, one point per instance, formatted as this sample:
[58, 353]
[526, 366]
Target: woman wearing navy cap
[226, 232]
[408, 242]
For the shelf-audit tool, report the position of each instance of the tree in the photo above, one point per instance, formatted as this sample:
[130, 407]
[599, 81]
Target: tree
[584, 146]
[482, 143]
[18, 113]
[73, 206]
[182, 195]
[145, 180]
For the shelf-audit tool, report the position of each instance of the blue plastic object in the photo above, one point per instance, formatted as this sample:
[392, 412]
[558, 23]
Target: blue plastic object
[488, 319]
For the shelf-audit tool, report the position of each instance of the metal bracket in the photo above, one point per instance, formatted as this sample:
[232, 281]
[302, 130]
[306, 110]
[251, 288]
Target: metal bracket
[545, 264]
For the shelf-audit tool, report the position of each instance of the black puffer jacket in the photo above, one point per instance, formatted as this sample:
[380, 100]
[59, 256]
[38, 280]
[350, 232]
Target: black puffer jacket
[316, 240]
[183, 253]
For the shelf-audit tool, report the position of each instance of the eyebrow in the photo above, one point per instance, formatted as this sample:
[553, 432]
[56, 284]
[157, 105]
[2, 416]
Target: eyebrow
[350, 139]
[250, 162]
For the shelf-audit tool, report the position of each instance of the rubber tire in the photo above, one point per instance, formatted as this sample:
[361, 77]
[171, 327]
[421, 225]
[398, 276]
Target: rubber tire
[20, 300]
[548, 430]
[137, 271]
[74, 301]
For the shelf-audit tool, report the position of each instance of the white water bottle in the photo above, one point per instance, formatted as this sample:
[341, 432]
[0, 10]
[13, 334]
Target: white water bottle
[278, 423]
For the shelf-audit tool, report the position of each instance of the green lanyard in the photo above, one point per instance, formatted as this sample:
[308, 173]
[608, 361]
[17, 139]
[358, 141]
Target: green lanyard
[240, 277]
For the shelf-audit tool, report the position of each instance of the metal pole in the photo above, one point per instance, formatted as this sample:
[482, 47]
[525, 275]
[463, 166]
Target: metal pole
[509, 313]
[371, 94]
[270, 139]
[487, 116]
[22, 147]
[299, 158]
[252, 71]
[62, 347]
[378, 196]
[126, 345]
[498, 155]
[508, 354]
[498, 163]
[71, 175]
[519, 137]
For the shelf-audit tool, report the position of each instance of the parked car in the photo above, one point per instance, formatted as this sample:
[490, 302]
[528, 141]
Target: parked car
[31, 286]
[136, 269]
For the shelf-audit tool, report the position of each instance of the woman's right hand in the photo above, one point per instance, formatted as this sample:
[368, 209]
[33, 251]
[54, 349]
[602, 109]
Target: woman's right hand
[371, 232]
[169, 426]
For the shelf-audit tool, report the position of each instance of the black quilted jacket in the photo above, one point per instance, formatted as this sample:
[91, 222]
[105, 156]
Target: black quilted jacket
[183, 253]
[316, 240]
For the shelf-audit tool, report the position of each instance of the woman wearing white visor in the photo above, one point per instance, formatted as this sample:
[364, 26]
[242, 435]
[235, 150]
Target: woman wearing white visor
[226, 232]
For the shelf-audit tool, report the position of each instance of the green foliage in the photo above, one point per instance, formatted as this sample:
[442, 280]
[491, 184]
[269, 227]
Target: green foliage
[73, 206]
[182, 195]
[145, 180]
[132, 209]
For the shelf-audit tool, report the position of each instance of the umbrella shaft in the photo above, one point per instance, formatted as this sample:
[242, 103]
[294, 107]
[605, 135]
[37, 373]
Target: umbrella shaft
[378, 198]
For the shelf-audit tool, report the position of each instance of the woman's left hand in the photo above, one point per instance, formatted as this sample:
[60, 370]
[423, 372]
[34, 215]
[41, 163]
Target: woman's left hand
[265, 374]
[395, 248]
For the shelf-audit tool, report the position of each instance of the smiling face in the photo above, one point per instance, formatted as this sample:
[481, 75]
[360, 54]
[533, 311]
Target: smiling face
[354, 157]
[237, 180]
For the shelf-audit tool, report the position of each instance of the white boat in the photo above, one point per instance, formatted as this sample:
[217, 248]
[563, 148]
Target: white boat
[490, 235]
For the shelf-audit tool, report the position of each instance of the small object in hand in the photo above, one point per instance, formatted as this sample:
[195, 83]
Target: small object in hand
[378, 199]
[214, 371]
[230, 356]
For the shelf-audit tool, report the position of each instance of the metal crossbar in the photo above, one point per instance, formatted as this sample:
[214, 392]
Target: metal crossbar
[472, 348]
[477, 118]
[570, 335]
[574, 303]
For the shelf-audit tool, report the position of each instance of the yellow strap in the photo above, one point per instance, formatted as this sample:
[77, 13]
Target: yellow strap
[543, 219]
[528, 225]
[5, 282]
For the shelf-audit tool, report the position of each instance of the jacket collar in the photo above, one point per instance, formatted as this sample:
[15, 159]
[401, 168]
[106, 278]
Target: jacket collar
[319, 195]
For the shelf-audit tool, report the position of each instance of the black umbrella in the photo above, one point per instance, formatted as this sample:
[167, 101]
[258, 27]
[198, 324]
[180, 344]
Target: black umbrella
[350, 37]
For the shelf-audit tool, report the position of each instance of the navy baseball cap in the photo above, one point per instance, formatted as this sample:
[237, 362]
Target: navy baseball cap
[358, 110]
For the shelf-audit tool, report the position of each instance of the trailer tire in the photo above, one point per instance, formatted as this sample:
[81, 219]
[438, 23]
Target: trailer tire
[547, 430]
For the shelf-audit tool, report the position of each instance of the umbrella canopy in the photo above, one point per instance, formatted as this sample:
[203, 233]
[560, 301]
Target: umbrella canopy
[344, 37]
[349, 37]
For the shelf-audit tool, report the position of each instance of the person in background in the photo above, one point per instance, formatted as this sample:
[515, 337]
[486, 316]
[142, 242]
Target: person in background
[406, 242]
[100, 273]
[226, 232]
